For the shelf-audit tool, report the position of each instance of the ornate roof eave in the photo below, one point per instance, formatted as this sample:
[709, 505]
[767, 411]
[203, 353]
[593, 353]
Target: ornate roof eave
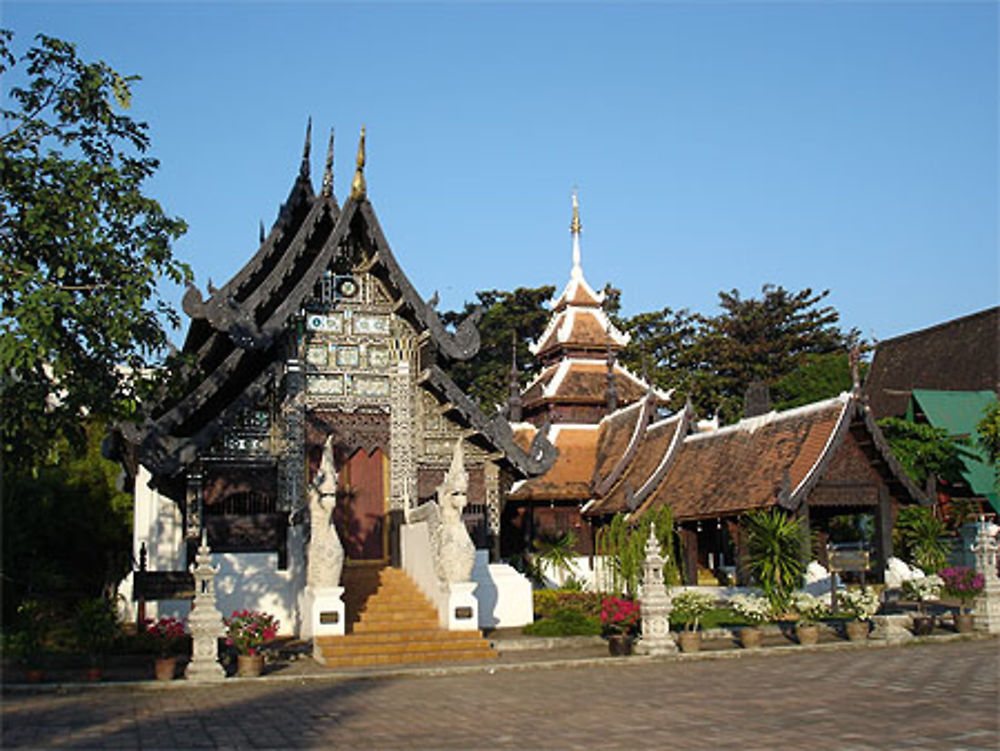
[536, 461]
[460, 345]
[238, 319]
[165, 455]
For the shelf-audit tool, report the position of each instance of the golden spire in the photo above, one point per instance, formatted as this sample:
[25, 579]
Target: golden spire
[575, 225]
[358, 187]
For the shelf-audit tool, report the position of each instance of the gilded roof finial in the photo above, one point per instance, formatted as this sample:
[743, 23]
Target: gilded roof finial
[304, 168]
[328, 170]
[575, 225]
[358, 187]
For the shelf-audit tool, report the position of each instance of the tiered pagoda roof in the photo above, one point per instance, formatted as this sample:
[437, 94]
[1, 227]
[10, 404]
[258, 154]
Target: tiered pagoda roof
[240, 341]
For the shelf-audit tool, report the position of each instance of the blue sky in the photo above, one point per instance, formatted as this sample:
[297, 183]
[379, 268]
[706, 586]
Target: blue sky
[841, 146]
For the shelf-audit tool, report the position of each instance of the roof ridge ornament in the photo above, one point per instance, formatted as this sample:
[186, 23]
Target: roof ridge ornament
[358, 187]
[328, 169]
[304, 167]
[575, 228]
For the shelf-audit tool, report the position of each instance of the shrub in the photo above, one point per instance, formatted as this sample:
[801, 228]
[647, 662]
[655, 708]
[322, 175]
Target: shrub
[689, 606]
[249, 630]
[96, 626]
[962, 583]
[809, 608]
[623, 544]
[775, 544]
[860, 604]
[548, 601]
[565, 622]
[752, 608]
[921, 536]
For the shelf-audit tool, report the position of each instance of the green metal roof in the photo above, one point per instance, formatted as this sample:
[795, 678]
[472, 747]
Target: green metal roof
[959, 412]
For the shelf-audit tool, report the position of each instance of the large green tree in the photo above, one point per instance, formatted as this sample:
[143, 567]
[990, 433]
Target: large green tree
[83, 248]
[784, 339]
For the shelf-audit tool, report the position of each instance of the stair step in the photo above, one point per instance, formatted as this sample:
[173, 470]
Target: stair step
[398, 636]
[406, 659]
[402, 647]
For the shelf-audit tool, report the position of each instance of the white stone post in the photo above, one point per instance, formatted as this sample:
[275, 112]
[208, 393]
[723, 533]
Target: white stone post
[205, 621]
[987, 605]
[654, 603]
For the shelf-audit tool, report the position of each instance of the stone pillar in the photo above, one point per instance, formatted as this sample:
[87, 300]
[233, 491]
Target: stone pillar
[987, 605]
[491, 474]
[205, 621]
[402, 469]
[655, 603]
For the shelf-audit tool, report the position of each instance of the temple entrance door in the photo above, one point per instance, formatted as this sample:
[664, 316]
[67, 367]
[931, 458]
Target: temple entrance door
[361, 507]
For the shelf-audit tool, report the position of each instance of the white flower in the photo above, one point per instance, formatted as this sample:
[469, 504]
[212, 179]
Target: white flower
[860, 603]
[751, 607]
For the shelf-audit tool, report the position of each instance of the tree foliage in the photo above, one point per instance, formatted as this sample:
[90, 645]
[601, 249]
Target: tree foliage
[517, 317]
[920, 538]
[988, 431]
[923, 450]
[785, 339]
[83, 248]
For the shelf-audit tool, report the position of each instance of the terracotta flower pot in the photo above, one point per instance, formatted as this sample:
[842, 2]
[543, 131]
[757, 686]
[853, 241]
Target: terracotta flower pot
[689, 641]
[807, 634]
[93, 674]
[249, 666]
[751, 637]
[923, 625]
[620, 645]
[165, 667]
[857, 630]
[964, 623]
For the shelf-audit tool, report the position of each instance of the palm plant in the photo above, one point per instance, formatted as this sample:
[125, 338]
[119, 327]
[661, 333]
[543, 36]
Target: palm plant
[556, 552]
[775, 549]
[922, 537]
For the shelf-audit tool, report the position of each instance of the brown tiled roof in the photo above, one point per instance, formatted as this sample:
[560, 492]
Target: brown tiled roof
[615, 433]
[569, 476]
[958, 355]
[578, 292]
[640, 477]
[743, 467]
[584, 381]
[579, 328]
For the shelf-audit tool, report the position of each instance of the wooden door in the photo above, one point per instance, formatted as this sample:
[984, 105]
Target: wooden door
[361, 508]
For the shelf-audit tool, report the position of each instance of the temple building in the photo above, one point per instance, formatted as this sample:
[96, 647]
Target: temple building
[622, 452]
[579, 383]
[320, 336]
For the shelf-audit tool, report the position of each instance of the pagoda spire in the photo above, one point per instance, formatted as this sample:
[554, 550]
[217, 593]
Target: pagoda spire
[328, 170]
[575, 228]
[304, 167]
[514, 412]
[358, 187]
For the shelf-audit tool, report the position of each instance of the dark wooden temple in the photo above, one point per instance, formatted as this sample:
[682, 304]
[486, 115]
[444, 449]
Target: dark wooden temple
[321, 333]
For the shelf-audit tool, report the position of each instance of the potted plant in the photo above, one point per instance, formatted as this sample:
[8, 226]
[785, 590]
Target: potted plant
[689, 606]
[96, 626]
[28, 639]
[248, 631]
[754, 609]
[810, 610]
[964, 584]
[620, 623]
[165, 635]
[860, 605]
[921, 591]
[775, 549]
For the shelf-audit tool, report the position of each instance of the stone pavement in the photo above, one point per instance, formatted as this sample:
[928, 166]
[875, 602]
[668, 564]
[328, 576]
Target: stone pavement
[926, 695]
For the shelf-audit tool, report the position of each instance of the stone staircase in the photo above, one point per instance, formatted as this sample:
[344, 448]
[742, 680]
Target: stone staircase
[398, 625]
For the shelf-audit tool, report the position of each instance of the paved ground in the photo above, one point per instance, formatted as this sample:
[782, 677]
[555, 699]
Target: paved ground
[933, 696]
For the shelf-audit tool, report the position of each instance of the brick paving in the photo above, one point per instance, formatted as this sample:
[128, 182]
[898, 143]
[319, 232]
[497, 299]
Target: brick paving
[923, 696]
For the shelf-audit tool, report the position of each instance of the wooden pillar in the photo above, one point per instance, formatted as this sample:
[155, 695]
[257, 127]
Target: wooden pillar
[883, 530]
[689, 549]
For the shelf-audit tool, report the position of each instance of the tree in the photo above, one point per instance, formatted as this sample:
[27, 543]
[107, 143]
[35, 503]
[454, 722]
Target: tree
[923, 450]
[519, 317]
[783, 339]
[988, 431]
[83, 248]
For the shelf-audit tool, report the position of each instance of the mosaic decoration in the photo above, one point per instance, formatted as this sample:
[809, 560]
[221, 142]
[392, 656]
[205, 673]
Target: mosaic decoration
[325, 384]
[369, 386]
[317, 354]
[378, 357]
[333, 323]
[371, 324]
[348, 356]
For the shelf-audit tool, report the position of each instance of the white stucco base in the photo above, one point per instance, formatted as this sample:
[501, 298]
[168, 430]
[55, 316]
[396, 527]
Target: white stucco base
[323, 612]
[503, 593]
